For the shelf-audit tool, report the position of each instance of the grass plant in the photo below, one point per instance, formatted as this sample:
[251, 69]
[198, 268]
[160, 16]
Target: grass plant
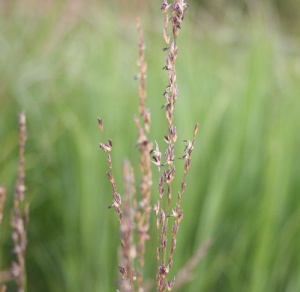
[19, 219]
[238, 77]
[134, 212]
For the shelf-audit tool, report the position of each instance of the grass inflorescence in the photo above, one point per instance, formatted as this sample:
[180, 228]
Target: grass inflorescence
[19, 219]
[238, 76]
[134, 211]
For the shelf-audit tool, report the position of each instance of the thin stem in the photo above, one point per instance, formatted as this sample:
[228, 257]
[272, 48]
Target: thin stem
[19, 217]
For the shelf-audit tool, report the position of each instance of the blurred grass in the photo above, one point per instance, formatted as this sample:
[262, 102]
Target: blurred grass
[239, 79]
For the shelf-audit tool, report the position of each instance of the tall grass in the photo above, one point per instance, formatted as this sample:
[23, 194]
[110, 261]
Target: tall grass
[239, 80]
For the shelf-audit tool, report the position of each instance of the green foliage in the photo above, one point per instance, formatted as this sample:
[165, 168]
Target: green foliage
[239, 82]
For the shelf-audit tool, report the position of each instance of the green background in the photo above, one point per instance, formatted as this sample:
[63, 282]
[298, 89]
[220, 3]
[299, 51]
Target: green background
[238, 73]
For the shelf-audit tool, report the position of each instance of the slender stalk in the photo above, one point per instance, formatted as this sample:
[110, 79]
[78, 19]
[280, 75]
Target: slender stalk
[20, 215]
[2, 201]
[4, 275]
[126, 229]
[163, 206]
[144, 146]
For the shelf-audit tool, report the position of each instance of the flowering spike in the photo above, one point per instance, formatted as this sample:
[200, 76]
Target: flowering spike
[100, 123]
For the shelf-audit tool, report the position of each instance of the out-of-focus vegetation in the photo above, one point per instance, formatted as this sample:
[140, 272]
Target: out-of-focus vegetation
[285, 11]
[68, 63]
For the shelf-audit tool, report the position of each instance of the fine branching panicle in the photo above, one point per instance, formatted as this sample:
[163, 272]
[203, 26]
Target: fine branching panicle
[163, 207]
[20, 213]
[19, 218]
[107, 147]
[144, 146]
[134, 211]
